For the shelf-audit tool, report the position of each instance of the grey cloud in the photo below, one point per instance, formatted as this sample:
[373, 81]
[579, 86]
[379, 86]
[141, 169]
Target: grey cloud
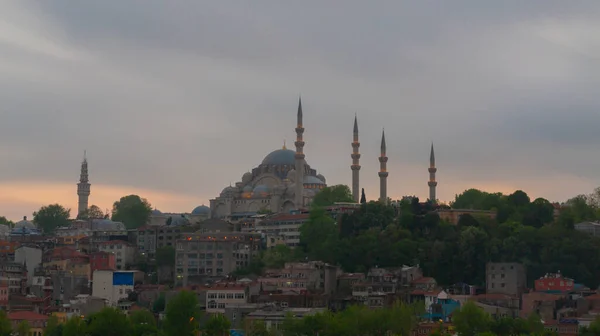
[186, 96]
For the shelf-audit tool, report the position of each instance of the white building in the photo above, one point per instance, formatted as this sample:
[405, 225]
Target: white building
[224, 294]
[113, 285]
[31, 257]
[591, 228]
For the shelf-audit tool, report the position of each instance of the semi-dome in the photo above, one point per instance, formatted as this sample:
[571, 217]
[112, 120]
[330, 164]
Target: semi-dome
[312, 180]
[280, 157]
[247, 177]
[261, 189]
[24, 224]
[201, 210]
[322, 178]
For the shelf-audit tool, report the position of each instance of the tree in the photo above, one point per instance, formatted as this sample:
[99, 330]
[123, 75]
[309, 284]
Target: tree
[258, 328]
[23, 329]
[330, 195]
[319, 236]
[74, 327]
[143, 322]
[182, 314]
[279, 255]
[471, 320]
[92, 212]
[5, 221]
[5, 326]
[53, 327]
[50, 217]
[132, 210]
[159, 304]
[363, 198]
[108, 322]
[217, 325]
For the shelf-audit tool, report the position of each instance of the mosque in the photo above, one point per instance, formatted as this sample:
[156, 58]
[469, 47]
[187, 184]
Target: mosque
[284, 181]
[273, 186]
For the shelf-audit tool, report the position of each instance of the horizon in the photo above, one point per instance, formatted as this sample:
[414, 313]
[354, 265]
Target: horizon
[175, 101]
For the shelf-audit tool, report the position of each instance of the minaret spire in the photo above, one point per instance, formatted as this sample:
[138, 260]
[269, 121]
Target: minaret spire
[432, 183]
[355, 167]
[383, 174]
[299, 156]
[83, 187]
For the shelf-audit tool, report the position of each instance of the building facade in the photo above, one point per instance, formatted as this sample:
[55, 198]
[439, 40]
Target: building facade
[505, 278]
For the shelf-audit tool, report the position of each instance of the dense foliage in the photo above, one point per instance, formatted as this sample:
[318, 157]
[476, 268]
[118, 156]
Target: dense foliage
[132, 210]
[521, 231]
[93, 212]
[50, 217]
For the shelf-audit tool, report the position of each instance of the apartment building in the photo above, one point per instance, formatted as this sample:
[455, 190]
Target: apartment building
[285, 227]
[214, 250]
[124, 252]
[505, 278]
[221, 295]
[149, 238]
[313, 275]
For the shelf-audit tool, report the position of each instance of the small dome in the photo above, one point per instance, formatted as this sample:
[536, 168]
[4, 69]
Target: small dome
[106, 225]
[312, 180]
[247, 177]
[247, 189]
[228, 190]
[156, 212]
[261, 189]
[201, 210]
[322, 178]
[280, 157]
[24, 224]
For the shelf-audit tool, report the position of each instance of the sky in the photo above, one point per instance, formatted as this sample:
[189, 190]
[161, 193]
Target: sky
[175, 100]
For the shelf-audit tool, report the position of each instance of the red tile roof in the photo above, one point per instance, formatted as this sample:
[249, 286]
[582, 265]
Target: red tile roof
[115, 242]
[286, 217]
[423, 280]
[26, 315]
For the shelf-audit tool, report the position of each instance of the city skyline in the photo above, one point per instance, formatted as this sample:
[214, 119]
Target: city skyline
[505, 93]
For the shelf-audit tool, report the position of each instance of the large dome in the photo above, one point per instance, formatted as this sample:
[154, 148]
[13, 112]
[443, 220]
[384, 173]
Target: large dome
[24, 224]
[280, 157]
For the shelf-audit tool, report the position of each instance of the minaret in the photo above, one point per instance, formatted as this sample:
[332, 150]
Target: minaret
[355, 163]
[383, 174]
[83, 187]
[432, 182]
[299, 202]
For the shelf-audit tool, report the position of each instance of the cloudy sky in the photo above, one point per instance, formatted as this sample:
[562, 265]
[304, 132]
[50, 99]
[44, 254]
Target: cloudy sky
[173, 100]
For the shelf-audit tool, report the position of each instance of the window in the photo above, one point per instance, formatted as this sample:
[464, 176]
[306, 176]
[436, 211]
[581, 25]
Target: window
[221, 295]
[239, 295]
[230, 295]
[221, 306]
[212, 295]
[212, 304]
[502, 285]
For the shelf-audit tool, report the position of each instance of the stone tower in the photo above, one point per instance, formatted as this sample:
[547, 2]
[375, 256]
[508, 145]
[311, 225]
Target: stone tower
[83, 187]
[355, 163]
[383, 174]
[432, 182]
[299, 192]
